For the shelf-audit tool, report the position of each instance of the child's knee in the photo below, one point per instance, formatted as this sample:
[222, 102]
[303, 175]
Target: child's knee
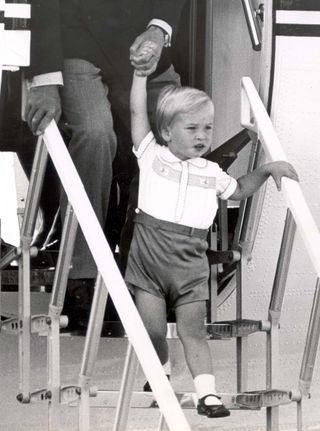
[195, 331]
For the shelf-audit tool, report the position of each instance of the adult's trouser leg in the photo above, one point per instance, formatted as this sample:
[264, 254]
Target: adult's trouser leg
[87, 121]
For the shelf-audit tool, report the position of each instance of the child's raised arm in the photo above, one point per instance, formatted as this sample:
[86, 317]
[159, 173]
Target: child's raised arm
[140, 125]
[250, 183]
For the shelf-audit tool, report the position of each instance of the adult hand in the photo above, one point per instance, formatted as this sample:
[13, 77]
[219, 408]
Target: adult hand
[43, 105]
[146, 50]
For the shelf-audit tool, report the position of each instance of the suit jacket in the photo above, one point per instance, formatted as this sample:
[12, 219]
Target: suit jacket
[100, 31]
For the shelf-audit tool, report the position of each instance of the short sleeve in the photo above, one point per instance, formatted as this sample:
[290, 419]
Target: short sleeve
[226, 185]
[148, 143]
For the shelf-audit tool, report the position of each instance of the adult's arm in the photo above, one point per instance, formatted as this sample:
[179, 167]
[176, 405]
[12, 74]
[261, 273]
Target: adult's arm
[164, 18]
[168, 11]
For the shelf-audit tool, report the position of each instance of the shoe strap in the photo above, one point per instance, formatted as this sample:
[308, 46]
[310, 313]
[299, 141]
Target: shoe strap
[203, 399]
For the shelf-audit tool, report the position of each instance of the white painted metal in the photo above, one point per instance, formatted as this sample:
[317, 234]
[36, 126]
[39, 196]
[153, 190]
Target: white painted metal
[274, 315]
[54, 313]
[16, 10]
[108, 269]
[15, 44]
[90, 351]
[126, 390]
[295, 112]
[14, 52]
[255, 117]
[298, 17]
[8, 199]
[27, 230]
[311, 347]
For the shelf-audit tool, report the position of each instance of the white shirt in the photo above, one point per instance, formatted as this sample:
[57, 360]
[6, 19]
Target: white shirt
[183, 192]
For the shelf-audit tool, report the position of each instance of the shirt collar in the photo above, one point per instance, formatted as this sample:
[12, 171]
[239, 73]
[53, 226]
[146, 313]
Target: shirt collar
[167, 156]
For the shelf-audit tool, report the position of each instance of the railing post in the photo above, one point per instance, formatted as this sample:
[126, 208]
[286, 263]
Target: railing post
[27, 230]
[241, 342]
[311, 346]
[55, 307]
[213, 280]
[125, 394]
[274, 313]
[91, 350]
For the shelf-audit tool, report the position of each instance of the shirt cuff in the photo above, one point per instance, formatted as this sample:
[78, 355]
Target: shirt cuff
[164, 26]
[229, 190]
[52, 78]
[146, 141]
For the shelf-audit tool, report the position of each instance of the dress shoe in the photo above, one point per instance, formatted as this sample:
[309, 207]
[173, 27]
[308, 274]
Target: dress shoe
[212, 410]
[77, 303]
[44, 260]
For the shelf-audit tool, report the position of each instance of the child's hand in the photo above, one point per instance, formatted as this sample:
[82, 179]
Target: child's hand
[141, 58]
[281, 169]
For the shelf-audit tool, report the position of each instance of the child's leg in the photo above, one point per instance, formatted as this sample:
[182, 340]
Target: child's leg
[191, 330]
[154, 316]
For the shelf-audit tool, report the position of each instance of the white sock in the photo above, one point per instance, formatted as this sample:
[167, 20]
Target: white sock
[205, 384]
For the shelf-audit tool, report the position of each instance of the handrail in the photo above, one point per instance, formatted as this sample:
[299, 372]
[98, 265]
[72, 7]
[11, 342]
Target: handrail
[254, 117]
[252, 23]
[113, 280]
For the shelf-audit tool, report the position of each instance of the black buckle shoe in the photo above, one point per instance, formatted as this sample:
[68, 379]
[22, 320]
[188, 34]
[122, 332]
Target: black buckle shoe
[213, 410]
[77, 304]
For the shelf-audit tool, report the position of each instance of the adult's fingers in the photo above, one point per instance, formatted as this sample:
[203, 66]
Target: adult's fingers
[35, 119]
[44, 122]
[43, 105]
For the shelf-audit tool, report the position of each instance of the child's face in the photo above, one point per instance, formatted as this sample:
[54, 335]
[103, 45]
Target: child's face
[190, 134]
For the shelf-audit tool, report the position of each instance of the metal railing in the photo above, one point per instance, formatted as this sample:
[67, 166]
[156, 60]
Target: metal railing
[254, 117]
[251, 15]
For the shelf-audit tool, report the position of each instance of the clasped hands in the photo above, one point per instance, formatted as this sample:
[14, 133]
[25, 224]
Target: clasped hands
[146, 50]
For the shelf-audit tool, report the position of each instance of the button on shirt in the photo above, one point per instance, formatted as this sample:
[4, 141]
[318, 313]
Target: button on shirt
[180, 191]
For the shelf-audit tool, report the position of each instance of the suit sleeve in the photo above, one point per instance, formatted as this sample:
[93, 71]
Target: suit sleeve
[46, 49]
[169, 11]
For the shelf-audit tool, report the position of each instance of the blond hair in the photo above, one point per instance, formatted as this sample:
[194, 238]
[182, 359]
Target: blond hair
[175, 100]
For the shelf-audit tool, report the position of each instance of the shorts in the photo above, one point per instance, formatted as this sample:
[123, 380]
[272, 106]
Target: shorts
[167, 263]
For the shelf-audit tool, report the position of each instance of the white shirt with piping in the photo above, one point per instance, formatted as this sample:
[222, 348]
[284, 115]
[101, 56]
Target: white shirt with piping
[183, 192]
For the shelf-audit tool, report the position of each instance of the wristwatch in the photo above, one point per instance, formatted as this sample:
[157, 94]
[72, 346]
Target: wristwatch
[167, 38]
